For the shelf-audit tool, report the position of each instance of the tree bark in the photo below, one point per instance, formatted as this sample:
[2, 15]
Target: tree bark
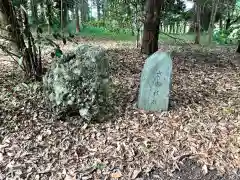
[177, 28]
[184, 27]
[104, 10]
[228, 22]
[238, 49]
[221, 23]
[65, 14]
[170, 29]
[61, 16]
[42, 14]
[84, 11]
[77, 18]
[35, 20]
[49, 14]
[98, 9]
[31, 60]
[151, 27]
[197, 23]
[211, 24]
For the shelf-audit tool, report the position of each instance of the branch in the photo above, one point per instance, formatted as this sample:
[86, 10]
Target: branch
[3, 29]
[175, 38]
[234, 21]
[52, 42]
[12, 55]
[6, 38]
[9, 52]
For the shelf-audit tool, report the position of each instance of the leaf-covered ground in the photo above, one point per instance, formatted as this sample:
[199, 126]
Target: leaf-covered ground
[199, 138]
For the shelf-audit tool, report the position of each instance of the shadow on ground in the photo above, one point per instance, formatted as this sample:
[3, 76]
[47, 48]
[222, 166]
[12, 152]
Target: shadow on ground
[189, 170]
[197, 76]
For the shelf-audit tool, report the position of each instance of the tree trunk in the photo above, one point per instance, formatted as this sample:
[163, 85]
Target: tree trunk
[42, 14]
[169, 28]
[151, 27]
[165, 28]
[238, 49]
[35, 20]
[174, 28]
[138, 36]
[221, 23]
[104, 10]
[197, 23]
[65, 15]
[228, 21]
[84, 11]
[184, 27]
[211, 24]
[77, 18]
[31, 60]
[61, 16]
[177, 28]
[161, 26]
[98, 9]
[49, 14]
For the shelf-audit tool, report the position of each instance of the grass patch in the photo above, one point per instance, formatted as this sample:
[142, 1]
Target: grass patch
[98, 32]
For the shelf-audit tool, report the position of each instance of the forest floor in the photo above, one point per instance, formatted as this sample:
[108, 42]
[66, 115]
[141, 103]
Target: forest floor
[198, 139]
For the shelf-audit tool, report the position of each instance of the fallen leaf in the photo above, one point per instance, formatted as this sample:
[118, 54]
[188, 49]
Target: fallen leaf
[116, 174]
[204, 169]
[135, 173]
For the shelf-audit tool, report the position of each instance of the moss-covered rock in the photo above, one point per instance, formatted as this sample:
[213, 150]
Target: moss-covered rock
[80, 83]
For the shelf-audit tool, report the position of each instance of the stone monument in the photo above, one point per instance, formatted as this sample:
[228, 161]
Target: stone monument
[155, 82]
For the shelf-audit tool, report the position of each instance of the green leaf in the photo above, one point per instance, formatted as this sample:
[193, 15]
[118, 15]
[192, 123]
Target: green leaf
[58, 53]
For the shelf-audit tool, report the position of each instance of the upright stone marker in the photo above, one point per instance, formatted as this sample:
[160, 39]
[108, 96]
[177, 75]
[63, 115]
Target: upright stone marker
[156, 82]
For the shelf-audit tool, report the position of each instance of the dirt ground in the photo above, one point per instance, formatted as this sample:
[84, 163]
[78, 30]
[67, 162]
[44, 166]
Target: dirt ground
[198, 139]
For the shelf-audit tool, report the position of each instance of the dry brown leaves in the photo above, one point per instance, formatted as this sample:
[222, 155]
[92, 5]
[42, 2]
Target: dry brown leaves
[203, 124]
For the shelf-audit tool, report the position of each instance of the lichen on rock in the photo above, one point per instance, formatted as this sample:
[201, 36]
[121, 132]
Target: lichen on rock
[79, 84]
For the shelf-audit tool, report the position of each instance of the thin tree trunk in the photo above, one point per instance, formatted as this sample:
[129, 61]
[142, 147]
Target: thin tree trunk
[151, 27]
[77, 19]
[138, 36]
[35, 20]
[31, 60]
[221, 23]
[170, 29]
[197, 23]
[65, 15]
[166, 28]
[238, 49]
[62, 16]
[42, 13]
[177, 28]
[84, 11]
[211, 24]
[184, 27]
[104, 10]
[98, 9]
[49, 16]
[174, 28]
[228, 21]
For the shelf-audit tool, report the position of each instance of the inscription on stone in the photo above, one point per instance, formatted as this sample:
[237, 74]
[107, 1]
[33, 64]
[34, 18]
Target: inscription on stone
[155, 82]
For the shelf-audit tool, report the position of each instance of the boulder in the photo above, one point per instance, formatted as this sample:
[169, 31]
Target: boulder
[78, 83]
